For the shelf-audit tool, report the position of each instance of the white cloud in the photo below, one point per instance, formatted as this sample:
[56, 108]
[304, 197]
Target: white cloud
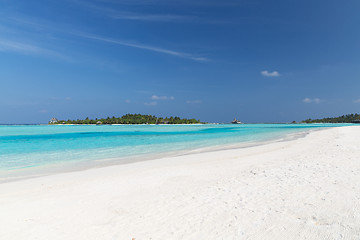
[153, 103]
[193, 101]
[307, 100]
[127, 101]
[357, 101]
[155, 97]
[266, 73]
[312, 100]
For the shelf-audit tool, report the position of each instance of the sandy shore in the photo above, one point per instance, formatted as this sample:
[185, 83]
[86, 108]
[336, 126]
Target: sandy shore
[307, 188]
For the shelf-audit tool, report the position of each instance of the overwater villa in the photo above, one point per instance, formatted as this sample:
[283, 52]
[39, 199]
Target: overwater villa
[53, 120]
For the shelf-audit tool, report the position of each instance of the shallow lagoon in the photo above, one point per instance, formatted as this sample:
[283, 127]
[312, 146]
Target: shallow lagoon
[29, 146]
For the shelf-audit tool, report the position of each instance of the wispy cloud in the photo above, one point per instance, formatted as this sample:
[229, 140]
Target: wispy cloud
[145, 47]
[36, 27]
[105, 10]
[153, 103]
[155, 97]
[150, 17]
[193, 101]
[24, 21]
[312, 100]
[28, 49]
[126, 15]
[162, 18]
[14, 46]
[208, 3]
[60, 98]
[266, 73]
[357, 101]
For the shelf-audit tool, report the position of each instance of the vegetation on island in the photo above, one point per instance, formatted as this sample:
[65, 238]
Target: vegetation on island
[349, 118]
[129, 119]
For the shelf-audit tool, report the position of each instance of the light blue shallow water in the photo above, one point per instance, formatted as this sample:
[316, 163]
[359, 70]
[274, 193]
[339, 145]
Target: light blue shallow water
[32, 146]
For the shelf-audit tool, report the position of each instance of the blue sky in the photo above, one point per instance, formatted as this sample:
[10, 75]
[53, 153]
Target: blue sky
[259, 61]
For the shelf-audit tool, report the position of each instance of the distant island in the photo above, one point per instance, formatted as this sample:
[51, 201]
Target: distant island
[349, 118]
[128, 119]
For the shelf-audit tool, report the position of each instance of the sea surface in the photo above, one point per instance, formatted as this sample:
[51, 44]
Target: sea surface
[27, 148]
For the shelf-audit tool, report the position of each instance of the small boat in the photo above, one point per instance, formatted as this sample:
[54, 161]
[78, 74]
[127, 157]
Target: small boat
[236, 121]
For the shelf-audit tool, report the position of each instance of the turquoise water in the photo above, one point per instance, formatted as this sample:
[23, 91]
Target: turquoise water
[34, 145]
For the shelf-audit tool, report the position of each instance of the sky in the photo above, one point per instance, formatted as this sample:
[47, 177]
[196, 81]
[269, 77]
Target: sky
[213, 60]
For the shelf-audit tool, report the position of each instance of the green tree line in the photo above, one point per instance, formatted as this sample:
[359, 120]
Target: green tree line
[349, 118]
[131, 119]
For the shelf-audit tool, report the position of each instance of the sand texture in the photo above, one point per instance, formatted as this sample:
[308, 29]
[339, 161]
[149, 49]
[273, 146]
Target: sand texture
[308, 188]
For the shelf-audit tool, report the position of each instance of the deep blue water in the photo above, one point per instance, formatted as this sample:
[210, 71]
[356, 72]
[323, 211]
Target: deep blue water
[26, 146]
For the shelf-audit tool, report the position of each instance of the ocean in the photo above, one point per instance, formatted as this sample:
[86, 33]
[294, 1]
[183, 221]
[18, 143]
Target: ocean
[27, 150]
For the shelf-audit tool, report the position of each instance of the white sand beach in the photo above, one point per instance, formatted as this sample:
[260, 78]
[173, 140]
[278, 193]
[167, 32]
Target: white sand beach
[307, 188]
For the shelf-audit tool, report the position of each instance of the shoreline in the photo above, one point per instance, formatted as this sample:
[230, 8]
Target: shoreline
[161, 124]
[308, 188]
[76, 166]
